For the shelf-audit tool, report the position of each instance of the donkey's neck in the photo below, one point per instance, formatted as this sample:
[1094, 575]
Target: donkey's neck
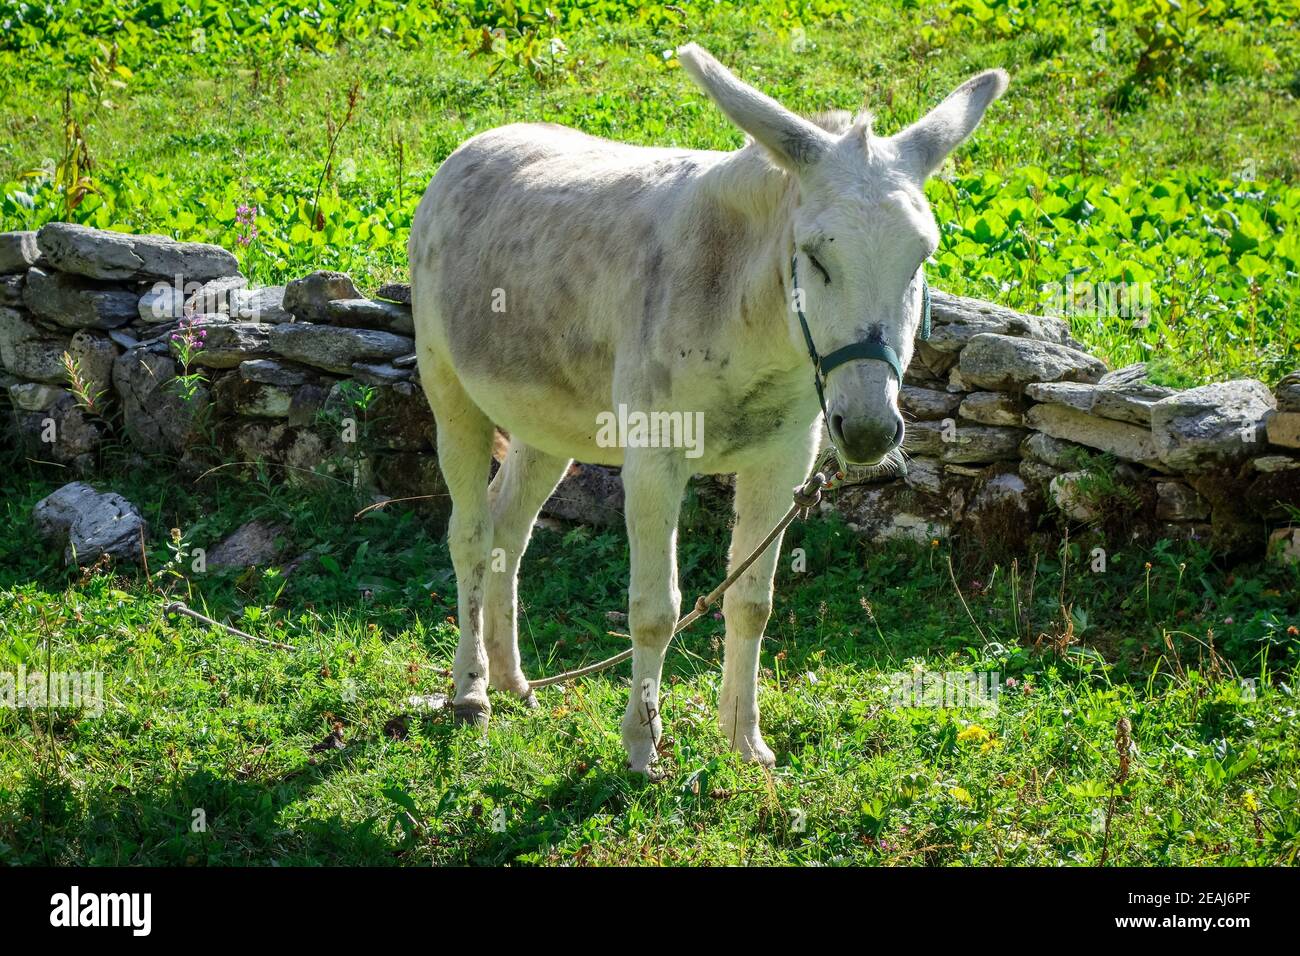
[764, 196]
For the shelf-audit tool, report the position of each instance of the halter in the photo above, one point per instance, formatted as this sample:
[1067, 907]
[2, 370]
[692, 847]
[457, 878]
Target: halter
[879, 351]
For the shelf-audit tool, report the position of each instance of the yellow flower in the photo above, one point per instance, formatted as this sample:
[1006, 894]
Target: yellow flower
[1249, 802]
[974, 734]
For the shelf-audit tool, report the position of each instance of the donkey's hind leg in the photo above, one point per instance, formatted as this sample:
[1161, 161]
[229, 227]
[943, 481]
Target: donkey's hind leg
[465, 438]
[526, 479]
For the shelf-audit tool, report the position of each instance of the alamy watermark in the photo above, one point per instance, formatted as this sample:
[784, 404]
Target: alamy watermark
[75, 689]
[944, 689]
[634, 429]
[1076, 298]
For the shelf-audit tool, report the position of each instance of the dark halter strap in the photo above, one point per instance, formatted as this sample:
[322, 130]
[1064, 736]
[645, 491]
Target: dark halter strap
[878, 351]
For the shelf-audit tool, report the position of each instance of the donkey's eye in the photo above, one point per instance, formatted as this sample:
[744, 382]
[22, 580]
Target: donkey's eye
[819, 267]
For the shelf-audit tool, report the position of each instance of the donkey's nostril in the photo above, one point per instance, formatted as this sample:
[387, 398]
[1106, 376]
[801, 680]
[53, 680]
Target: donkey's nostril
[898, 433]
[837, 427]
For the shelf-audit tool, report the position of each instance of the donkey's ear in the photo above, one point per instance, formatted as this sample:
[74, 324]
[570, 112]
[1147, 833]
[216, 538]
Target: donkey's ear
[927, 142]
[792, 140]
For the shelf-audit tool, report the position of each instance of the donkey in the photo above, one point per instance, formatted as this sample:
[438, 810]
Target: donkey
[557, 277]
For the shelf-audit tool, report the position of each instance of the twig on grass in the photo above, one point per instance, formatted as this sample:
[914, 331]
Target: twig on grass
[180, 607]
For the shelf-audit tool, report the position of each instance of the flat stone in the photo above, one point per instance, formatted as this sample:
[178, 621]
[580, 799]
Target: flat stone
[1059, 454]
[1272, 464]
[958, 320]
[370, 314]
[1078, 395]
[11, 290]
[35, 396]
[265, 304]
[925, 474]
[77, 302]
[963, 443]
[93, 523]
[1283, 429]
[1213, 426]
[255, 544]
[1175, 501]
[156, 417]
[1129, 442]
[273, 372]
[29, 351]
[123, 338]
[1001, 512]
[334, 348]
[1069, 492]
[228, 344]
[1005, 363]
[94, 354]
[101, 254]
[926, 404]
[1288, 393]
[163, 302]
[379, 374]
[405, 361]
[307, 298]
[235, 396]
[1121, 396]
[588, 494]
[18, 251]
[1036, 473]
[301, 451]
[216, 296]
[893, 512]
[992, 408]
[395, 292]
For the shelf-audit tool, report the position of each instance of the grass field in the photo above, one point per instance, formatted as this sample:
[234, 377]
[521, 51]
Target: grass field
[1127, 730]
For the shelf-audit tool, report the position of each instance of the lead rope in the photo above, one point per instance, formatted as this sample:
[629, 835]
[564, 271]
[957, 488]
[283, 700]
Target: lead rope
[806, 497]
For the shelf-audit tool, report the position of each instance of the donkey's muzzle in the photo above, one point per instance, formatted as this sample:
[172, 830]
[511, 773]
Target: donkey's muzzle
[865, 440]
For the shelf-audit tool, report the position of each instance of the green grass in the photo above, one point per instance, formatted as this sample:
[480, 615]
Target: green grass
[199, 720]
[1101, 163]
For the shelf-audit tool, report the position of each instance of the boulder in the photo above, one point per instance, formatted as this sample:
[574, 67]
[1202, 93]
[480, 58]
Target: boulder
[370, 314]
[1213, 426]
[1175, 501]
[62, 432]
[261, 305]
[155, 415]
[395, 292]
[234, 395]
[590, 495]
[1001, 514]
[227, 344]
[1069, 491]
[95, 355]
[1288, 393]
[336, 349]
[1120, 439]
[273, 372]
[93, 523]
[255, 544]
[928, 404]
[993, 408]
[1283, 429]
[100, 254]
[306, 299]
[77, 302]
[1005, 363]
[18, 251]
[893, 512]
[29, 351]
[958, 320]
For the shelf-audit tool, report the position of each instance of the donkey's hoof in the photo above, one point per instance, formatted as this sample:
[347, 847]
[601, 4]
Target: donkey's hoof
[530, 700]
[470, 714]
[651, 773]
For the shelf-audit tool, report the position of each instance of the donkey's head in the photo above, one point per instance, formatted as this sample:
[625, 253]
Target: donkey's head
[862, 230]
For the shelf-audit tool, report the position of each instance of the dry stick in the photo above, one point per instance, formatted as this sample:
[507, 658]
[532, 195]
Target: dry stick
[180, 607]
[956, 587]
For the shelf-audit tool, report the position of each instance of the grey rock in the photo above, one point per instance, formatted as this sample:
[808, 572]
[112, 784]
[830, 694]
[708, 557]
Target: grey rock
[1272, 464]
[925, 474]
[100, 254]
[35, 396]
[235, 396]
[1001, 512]
[77, 302]
[992, 408]
[155, 415]
[405, 361]
[163, 302]
[1283, 429]
[63, 433]
[588, 494]
[370, 314]
[255, 544]
[928, 404]
[395, 292]
[1069, 490]
[334, 348]
[92, 522]
[17, 251]
[1120, 439]
[300, 451]
[1006, 363]
[11, 290]
[94, 355]
[1058, 454]
[894, 512]
[29, 351]
[1288, 393]
[1036, 473]
[1213, 426]
[371, 374]
[929, 366]
[216, 296]
[123, 338]
[261, 305]
[1120, 396]
[307, 298]
[958, 320]
[227, 344]
[1175, 501]
[963, 443]
[272, 372]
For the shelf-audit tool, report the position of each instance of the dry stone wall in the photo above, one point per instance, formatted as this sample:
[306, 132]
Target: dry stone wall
[1010, 421]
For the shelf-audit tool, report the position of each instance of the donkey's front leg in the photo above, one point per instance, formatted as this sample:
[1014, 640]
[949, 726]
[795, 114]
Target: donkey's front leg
[653, 482]
[763, 495]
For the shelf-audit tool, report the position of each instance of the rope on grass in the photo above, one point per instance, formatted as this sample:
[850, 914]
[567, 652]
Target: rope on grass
[180, 607]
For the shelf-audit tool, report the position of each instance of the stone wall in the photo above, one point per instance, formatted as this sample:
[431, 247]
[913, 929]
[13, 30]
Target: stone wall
[1012, 427]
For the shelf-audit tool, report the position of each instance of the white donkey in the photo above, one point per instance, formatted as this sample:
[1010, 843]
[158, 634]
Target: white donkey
[557, 276]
